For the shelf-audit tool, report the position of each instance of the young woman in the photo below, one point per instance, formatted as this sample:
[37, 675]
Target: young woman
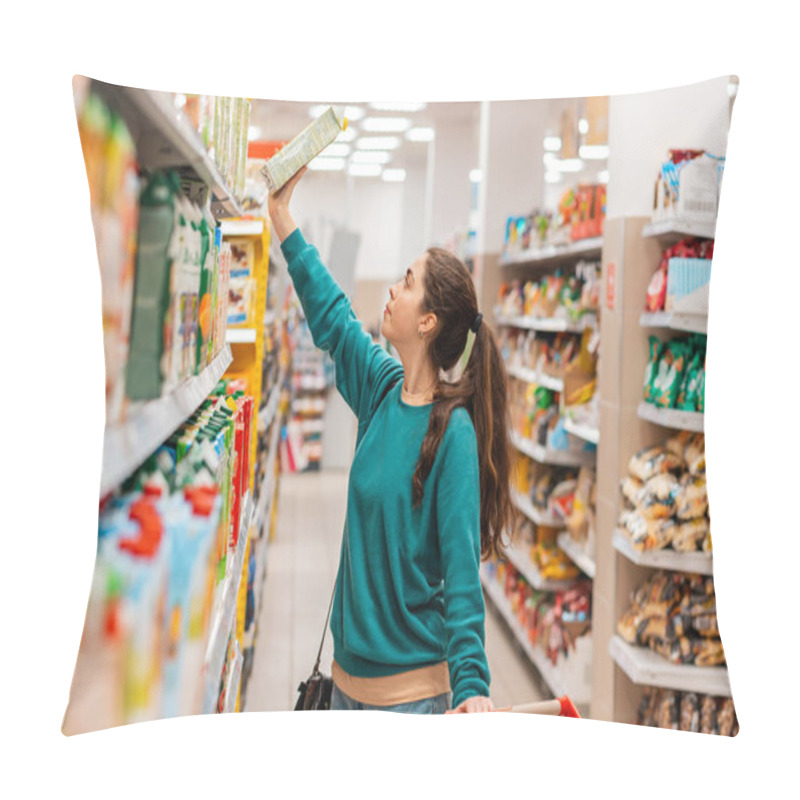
[428, 492]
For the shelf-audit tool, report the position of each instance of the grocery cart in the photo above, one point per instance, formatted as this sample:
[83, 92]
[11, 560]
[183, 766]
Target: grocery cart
[560, 707]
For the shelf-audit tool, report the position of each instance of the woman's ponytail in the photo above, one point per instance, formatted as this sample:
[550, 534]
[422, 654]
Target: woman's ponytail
[482, 389]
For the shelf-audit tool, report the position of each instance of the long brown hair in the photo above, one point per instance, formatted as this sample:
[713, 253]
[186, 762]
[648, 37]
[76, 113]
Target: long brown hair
[482, 389]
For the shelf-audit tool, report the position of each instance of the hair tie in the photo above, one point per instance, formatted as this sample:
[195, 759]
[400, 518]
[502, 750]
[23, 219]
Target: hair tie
[476, 323]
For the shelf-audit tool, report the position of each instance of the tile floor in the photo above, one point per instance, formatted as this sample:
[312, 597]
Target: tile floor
[301, 568]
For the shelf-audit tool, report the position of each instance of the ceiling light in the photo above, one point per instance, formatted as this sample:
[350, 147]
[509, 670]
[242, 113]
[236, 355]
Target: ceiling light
[402, 108]
[553, 177]
[378, 143]
[347, 135]
[336, 150]
[475, 176]
[583, 125]
[563, 164]
[552, 143]
[602, 177]
[253, 133]
[365, 170]
[371, 157]
[394, 175]
[386, 124]
[593, 151]
[327, 164]
[420, 135]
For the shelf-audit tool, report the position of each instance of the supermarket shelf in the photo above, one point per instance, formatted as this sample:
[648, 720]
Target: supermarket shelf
[267, 488]
[582, 248]
[647, 668]
[693, 323]
[242, 227]
[680, 227]
[127, 445]
[520, 559]
[537, 377]
[225, 616]
[581, 560]
[240, 336]
[533, 513]
[548, 324]
[701, 563]
[546, 456]
[545, 667]
[672, 417]
[165, 139]
[234, 680]
[270, 315]
[267, 414]
[585, 432]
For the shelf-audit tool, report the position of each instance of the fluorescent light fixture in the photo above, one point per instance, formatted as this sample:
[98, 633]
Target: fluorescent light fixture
[386, 124]
[394, 175]
[593, 151]
[253, 133]
[335, 150]
[552, 143]
[420, 135]
[371, 157]
[401, 108]
[562, 164]
[348, 134]
[327, 164]
[353, 113]
[553, 177]
[475, 176]
[378, 143]
[365, 170]
[602, 177]
[583, 125]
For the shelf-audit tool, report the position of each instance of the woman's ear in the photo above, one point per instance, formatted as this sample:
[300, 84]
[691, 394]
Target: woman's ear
[427, 323]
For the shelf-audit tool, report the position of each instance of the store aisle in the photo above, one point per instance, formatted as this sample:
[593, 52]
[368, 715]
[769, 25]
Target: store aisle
[301, 568]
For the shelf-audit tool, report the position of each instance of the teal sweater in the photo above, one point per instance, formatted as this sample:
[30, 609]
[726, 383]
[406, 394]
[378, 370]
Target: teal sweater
[408, 593]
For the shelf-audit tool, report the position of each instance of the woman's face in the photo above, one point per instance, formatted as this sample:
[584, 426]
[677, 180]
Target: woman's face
[403, 317]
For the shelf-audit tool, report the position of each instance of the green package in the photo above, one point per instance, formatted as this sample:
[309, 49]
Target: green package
[651, 369]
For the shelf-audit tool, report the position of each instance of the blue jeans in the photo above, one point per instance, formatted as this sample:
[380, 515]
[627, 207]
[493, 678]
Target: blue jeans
[430, 705]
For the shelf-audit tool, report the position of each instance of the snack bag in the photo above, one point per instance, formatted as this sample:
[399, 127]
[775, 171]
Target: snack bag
[695, 454]
[656, 499]
[692, 498]
[630, 488]
[669, 374]
[650, 371]
[689, 536]
[647, 534]
[654, 460]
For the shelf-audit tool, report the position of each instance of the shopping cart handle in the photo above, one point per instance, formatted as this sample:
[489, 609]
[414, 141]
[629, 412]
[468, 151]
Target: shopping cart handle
[560, 707]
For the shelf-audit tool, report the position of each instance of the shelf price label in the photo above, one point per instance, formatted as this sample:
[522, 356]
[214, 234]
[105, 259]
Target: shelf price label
[611, 271]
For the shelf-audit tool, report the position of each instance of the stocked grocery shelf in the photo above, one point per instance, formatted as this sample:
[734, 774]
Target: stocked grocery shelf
[537, 377]
[672, 417]
[549, 672]
[267, 487]
[692, 323]
[582, 248]
[128, 444]
[240, 336]
[234, 680]
[520, 559]
[267, 414]
[586, 432]
[700, 563]
[548, 324]
[533, 513]
[545, 455]
[165, 139]
[645, 667]
[242, 227]
[225, 614]
[681, 227]
[581, 560]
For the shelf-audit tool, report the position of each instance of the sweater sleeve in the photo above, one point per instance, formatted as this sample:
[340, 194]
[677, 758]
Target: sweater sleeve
[458, 524]
[364, 370]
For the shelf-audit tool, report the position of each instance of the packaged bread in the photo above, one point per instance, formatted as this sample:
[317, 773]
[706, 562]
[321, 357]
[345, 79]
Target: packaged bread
[708, 715]
[677, 444]
[689, 536]
[652, 628]
[706, 625]
[692, 497]
[708, 652]
[651, 461]
[656, 499]
[628, 624]
[706, 546]
[667, 711]
[689, 713]
[630, 488]
[726, 716]
[647, 534]
[695, 454]
[647, 707]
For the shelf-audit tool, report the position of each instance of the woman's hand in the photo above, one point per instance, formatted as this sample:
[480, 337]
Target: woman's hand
[473, 705]
[278, 206]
